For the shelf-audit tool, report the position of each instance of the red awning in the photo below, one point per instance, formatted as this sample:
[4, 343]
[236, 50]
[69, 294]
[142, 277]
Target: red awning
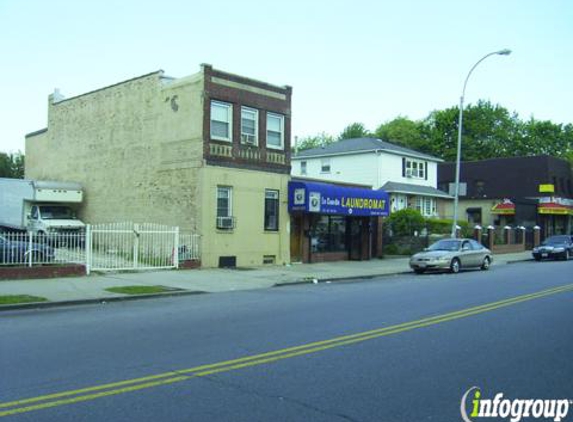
[506, 207]
[554, 209]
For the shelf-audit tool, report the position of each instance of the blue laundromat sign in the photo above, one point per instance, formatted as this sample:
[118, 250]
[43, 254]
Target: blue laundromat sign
[325, 198]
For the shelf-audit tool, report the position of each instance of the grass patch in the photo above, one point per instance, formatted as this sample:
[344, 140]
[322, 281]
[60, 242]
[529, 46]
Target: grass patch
[14, 299]
[139, 290]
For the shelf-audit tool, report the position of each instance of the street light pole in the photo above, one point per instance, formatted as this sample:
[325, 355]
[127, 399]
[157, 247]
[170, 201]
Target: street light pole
[504, 52]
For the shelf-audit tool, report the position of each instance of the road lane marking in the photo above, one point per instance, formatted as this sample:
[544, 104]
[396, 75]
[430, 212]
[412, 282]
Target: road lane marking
[104, 390]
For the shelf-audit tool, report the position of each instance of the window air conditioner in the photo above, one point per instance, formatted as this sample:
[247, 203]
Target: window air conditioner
[225, 222]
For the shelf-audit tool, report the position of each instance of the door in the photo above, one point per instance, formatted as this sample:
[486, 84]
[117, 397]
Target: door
[355, 238]
[296, 238]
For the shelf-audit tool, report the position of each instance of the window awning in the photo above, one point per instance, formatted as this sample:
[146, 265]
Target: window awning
[554, 209]
[555, 206]
[325, 198]
[506, 207]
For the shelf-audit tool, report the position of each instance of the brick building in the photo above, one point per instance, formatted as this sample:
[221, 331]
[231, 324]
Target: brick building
[209, 153]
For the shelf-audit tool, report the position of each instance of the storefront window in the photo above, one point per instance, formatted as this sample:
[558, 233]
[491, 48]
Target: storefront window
[329, 234]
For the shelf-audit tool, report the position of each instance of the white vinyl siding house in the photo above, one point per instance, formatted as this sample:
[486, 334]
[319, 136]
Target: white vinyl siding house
[408, 176]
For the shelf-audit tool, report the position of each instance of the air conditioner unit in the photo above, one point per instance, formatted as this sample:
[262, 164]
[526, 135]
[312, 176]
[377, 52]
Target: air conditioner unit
[248, 139]
[225, 223]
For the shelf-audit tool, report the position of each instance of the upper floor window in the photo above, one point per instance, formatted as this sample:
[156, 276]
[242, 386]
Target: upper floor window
[415, 169]
[325, 165]
[249, 126]
[221, 121]
[303, 168]
[275, 131]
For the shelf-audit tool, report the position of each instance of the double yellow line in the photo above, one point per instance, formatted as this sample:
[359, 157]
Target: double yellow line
[115, 388]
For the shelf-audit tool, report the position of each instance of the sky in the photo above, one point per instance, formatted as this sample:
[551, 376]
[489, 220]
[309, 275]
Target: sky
[347, 61]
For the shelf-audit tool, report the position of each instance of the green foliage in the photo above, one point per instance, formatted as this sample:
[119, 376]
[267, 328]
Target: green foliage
[12, 165]
[402, 131]
[354, 130]
[309, 142]
[444, 226]
[405, 222]
[489, 131]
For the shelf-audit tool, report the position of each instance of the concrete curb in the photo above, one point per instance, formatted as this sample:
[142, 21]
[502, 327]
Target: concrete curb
[101, 300]
[367, 277]
[337, 279]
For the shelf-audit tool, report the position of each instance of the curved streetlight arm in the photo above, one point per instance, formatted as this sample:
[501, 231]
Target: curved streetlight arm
[503, 52]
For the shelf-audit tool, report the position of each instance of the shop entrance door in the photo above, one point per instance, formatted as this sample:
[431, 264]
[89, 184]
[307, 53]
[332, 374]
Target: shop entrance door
[355, 239]
[296, 238]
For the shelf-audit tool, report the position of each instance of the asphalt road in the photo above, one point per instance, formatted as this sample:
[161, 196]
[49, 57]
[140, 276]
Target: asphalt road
[398, 348]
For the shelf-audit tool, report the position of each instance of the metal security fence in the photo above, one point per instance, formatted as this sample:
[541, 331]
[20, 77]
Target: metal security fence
[29, 249]
[103, 247]
[130, 246]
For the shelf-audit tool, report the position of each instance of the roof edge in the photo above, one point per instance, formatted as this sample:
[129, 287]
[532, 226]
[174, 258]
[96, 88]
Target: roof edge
[35, 133]
[157, 72]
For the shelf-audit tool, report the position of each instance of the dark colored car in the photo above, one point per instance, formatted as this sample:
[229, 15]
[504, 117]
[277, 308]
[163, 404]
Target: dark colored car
[554, 247]
[19, 251]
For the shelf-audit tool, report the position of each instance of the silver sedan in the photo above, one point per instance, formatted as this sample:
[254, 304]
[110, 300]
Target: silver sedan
[452, 255]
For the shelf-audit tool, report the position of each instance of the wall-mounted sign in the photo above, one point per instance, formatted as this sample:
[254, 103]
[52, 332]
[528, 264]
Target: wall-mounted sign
[548, 188]
[326, 198]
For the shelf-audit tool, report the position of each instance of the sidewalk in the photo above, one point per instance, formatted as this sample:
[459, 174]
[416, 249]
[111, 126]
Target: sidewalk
[213, 280]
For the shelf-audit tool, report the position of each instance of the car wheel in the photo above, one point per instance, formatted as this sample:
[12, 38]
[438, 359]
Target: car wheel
[485, 264]
[419, 271]
[455, 266]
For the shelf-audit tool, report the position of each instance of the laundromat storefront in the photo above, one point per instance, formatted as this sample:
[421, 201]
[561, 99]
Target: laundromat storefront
[331, 222]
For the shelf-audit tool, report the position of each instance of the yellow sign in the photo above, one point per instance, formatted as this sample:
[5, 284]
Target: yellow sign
[546, 188]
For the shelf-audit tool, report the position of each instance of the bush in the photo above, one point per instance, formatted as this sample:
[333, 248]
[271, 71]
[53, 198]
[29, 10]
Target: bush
[444, 226]
[406, 222]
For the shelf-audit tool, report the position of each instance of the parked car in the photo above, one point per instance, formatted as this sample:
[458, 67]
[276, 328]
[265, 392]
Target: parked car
[554, 247]
[18, 251]
[452, 255]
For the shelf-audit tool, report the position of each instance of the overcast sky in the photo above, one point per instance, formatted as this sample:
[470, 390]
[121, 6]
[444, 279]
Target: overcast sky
[347, 61]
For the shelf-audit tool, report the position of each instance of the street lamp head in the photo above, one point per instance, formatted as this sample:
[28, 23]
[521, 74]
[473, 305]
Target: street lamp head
[504, 52]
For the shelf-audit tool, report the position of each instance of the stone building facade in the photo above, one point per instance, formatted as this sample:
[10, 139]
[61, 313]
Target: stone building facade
[209, 153]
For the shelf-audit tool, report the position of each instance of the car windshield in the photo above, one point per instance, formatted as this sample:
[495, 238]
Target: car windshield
[56, 212]
[555, 240]
[445, 245]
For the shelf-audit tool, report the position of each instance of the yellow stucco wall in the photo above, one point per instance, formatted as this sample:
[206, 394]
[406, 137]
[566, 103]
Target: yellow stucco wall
[485, 205]
[249, 242]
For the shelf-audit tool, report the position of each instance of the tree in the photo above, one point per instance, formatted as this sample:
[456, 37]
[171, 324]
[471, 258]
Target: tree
[488, 131]
[354, 130]
[12, 165]
[309, 142]
[403, 131]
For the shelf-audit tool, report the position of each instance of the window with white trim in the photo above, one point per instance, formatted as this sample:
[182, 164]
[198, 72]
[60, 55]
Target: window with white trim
[303, 168]
[225, 207]
[426, 206]
[415, 169]
[275, 131]
[221, 121]
[271, 209]
[325, 165]
[249, 126]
